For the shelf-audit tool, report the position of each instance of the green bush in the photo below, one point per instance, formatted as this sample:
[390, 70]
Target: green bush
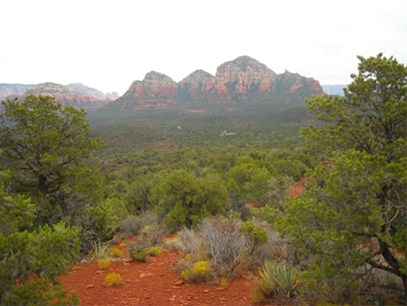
[137, 252]
[151, 234]
[256, 235]
[184, 199]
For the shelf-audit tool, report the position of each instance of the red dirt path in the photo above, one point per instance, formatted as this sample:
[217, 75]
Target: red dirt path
[150, 283]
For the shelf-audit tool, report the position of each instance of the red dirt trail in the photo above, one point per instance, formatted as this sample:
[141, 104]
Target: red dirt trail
[151, 283]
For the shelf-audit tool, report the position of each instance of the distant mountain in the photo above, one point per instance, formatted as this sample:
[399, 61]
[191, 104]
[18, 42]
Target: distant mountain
[156, 90]
[13, 90]
[243, 81]
[334, 89]
[77, 95]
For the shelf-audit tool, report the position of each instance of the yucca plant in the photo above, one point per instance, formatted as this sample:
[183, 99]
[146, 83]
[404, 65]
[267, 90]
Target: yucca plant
[277, 279]
[99, 250]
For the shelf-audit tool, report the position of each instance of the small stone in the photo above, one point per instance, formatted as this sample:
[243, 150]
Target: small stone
[206, 291]
[90, 286]
[99, 272]
[179, 282]
[219, 288]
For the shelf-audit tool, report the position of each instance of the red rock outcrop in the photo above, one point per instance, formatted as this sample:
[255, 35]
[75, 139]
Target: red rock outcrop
[294, 84]
[241, 80]
[245, 76]
[156, 90]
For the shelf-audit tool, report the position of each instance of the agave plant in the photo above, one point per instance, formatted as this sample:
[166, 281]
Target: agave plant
[277, 279]
[99, 250]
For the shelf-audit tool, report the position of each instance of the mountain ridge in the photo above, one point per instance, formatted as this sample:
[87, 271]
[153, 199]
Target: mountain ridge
[239, 81]
[75, 94]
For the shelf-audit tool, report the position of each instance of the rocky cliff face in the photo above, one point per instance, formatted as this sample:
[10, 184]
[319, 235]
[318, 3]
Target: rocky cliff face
[156, 90]
[77, 95]
[241, 80]
[199, 85]
[244, 77]
[289, 83]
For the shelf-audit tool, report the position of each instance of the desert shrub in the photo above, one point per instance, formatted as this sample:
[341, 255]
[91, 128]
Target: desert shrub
[187, 262]
[256, 235]
[116, 253]
[113, 279]
[99, 250]
[190, 243]
[201, 270]
[137, 251]
[224, 243]
[151, 234]
[231, 247]
[132, 225]
[154, 251]
[104, 264]
[114, 212]
[174, 243]
[40, 292]
[276, 280]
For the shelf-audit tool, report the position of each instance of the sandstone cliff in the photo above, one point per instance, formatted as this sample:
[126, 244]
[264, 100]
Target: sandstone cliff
[243, 80]
[156, 90]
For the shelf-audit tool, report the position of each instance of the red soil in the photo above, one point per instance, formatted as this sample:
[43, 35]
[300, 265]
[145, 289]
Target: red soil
[151, 283]
[296, 190]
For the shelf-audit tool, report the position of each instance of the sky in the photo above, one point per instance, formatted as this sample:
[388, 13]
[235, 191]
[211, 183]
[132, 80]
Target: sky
[108, 44]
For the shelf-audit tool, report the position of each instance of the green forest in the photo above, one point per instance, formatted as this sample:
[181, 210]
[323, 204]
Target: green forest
[73, 184]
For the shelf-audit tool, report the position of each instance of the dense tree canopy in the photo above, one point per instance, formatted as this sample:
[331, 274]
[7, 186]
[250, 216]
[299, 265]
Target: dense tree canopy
[354, 214]
[184, 199]
[44, 145]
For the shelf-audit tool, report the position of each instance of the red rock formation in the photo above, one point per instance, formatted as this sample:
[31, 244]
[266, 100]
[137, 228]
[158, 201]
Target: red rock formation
[245, 76]
[155, 91]
[243, 79]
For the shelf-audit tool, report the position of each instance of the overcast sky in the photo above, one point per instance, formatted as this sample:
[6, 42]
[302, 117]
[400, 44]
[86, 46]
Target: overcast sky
[108, 44]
